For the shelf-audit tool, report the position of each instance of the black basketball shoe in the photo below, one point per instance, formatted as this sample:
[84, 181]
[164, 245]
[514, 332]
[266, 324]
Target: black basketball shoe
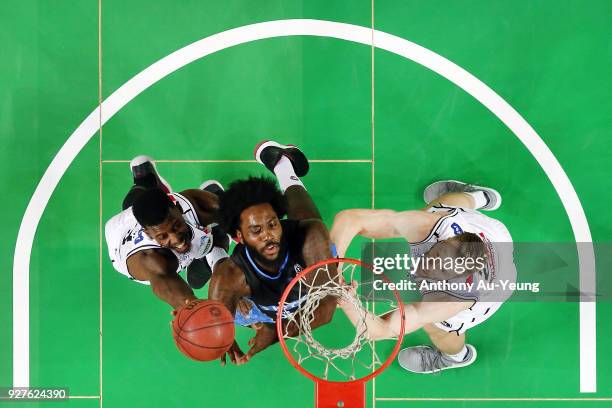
[212, 186]
[145, 174]
[269, 153]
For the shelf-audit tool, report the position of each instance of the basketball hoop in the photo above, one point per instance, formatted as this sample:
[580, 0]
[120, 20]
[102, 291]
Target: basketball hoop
[347, 388]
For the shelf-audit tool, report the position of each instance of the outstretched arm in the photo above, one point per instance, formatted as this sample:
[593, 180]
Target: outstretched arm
[158, 267]
[436, 308]
[227, 286]
[316, 248]
[379, 224]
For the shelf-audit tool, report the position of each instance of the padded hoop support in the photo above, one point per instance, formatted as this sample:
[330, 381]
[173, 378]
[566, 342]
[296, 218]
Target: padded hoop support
[332, 394]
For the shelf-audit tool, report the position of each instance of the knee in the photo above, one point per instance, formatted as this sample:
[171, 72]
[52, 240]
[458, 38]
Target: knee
[431, 329]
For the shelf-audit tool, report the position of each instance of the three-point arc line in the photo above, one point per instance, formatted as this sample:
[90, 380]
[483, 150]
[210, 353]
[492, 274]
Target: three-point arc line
[301, 27]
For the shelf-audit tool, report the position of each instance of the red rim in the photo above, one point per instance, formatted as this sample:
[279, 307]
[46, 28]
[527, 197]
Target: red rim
[281, 338]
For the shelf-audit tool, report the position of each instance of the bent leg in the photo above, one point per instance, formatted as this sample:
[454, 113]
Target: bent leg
[459, 194]
[449, 351]
[300, 205]
[448, 343]
[288, 163]
[463, 200]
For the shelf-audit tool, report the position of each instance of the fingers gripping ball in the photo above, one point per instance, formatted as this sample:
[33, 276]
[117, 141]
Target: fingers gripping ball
[203, 330]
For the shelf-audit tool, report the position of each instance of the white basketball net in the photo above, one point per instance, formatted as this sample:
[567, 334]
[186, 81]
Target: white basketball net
[312, 289]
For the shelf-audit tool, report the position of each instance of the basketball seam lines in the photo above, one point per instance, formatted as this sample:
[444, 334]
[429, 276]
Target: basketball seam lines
[178, 335]
[205, 306]
[204, 327]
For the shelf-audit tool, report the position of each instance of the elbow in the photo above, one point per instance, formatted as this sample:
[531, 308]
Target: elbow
[340, 216]
[382, 331]
[377, 335]
[346, 221]
[344, 217]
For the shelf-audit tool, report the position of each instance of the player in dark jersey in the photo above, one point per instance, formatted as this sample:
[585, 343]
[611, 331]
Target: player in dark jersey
[270, 251]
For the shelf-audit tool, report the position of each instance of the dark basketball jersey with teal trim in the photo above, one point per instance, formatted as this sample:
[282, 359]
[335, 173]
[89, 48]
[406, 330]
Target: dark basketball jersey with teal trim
[267, 288]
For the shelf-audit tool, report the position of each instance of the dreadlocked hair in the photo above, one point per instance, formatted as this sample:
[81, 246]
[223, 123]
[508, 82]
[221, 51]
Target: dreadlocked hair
[243, 194]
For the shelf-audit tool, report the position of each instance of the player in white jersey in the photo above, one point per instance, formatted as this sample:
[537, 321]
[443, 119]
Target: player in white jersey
[449, 227]
[159, 233]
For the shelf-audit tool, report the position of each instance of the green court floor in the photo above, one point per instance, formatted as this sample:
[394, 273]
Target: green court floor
[378, 128]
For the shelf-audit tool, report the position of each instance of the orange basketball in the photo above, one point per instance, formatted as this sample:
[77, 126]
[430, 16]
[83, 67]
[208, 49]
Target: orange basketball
[203, 330]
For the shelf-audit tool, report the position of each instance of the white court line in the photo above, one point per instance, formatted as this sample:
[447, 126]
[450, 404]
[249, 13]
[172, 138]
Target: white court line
[373, 175]
[100, 223]
[281, 28]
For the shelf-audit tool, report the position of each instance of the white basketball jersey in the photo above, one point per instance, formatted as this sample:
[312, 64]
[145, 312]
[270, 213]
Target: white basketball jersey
[125, 236]
[500, 262]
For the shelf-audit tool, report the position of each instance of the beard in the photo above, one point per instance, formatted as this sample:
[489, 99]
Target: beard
[265, 262]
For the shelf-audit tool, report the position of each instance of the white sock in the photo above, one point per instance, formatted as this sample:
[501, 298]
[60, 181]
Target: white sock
[286, 175]
[460, 356]
[479, 198]
[215, 255]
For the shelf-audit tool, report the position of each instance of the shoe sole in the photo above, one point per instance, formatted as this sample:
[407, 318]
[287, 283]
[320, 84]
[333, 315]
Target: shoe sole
[259, 148]
[488, 189]
[142, 159]
[210, 183]
[458, 365]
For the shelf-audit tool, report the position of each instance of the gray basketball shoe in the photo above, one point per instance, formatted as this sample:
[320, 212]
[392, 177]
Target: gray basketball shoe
[427, 360]
[435, 190]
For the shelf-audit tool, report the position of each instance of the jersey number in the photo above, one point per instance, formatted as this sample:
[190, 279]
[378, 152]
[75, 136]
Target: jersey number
[139, 237]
